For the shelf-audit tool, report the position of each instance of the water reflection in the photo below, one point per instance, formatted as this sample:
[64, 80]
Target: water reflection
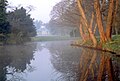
[95, 66]
[56, 61]
[82, 64]
[65, 60]
[15, 59]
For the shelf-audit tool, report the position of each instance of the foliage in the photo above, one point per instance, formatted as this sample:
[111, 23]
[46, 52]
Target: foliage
[4, 24]
[38, 24]
[64, 15]
[3, 4]
[89, 16]
[56, 29]
[16, 26]
[22, 27]
[113, 45]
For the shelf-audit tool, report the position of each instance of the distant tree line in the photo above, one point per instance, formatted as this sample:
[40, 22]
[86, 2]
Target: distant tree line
[61, 29]
[16, 26]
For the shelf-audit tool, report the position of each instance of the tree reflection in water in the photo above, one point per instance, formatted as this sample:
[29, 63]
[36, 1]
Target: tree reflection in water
[15, 59]
[97, 66]
[87, 65]
[71, 64]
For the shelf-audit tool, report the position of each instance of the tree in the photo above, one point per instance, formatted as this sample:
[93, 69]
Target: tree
[65, 15]
[86, 22]
[4, 24]
[116, 21]
[3, 4]
[89, 16]
[111, 12]
[110, 19]
[100, 7]
[22, 26]
[38, 24]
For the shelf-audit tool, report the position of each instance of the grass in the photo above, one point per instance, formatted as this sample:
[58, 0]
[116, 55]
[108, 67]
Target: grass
[52, 38]
[113, 45]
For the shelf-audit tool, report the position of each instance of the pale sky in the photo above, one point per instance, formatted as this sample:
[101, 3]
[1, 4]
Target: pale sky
[42, 7]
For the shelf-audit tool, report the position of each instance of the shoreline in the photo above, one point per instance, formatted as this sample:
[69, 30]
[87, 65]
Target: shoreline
[95, 48]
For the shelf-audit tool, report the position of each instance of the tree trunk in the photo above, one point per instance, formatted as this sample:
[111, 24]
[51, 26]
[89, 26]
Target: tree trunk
[85, 22]
[116, 30]
[110, 20]
[92, 37]
[115, 13]
[83, 17]
[91, 32]
[99, 21]
[81, 33]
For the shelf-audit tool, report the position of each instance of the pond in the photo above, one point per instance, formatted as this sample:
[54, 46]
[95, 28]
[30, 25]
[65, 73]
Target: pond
[56, 61]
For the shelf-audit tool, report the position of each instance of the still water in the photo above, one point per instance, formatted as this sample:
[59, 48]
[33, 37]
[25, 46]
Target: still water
[56, 61]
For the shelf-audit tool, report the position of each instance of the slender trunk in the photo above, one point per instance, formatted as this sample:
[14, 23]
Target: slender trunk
[116, 30]
[85, 22]
[110, 20]
[83, 17]
[91, 32]
[99, 21]
[92, 37]
[115, 13]
[81, 33]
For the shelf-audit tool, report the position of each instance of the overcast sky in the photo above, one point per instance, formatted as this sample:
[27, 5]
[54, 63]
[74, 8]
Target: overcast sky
[42, 7]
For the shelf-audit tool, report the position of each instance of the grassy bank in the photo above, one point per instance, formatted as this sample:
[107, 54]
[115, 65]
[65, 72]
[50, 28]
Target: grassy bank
[53, 38]
[113, 45]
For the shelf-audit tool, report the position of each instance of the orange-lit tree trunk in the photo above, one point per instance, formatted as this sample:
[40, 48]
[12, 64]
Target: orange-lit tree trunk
[110, 20]
[84, 21]
[99, 21]
[92, 32]
[83, 17]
